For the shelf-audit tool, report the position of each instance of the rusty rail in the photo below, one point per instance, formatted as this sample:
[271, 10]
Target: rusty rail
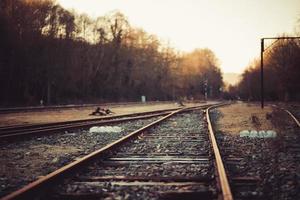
[35, 187]
[41, 184]
[294, 118]
[222, 176]
[287, 111]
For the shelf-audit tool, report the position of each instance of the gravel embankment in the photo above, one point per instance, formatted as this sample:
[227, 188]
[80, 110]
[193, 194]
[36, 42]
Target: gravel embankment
[24, 161]
[183, 136]
[275, 162]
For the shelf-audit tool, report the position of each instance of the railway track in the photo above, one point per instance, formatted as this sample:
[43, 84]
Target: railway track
[21, 131]
[173, 160]
[295, 116]
[293, 109]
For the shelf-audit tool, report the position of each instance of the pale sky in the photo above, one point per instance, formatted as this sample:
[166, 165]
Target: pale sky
[231, 28]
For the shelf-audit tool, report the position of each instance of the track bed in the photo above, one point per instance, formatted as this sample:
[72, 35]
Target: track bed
[170, 159]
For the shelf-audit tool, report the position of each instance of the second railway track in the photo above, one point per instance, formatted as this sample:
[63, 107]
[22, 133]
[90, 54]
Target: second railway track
[21, 131]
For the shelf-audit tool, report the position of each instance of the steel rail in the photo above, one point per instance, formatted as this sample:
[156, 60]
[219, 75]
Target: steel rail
[291, 114]
[40, 184]
[222, 176]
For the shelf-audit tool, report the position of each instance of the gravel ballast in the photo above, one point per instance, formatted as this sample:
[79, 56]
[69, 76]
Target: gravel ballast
[272, 162]
[182, 138]
[25, 161]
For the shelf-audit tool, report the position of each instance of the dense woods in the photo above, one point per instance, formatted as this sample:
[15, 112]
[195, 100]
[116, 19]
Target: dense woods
[60, 56]
[281, 74]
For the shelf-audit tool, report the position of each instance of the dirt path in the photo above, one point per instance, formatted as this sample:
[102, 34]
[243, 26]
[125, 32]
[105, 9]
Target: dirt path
[242, 116]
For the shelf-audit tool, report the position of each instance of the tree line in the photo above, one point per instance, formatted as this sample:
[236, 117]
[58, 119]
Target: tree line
[281, 74]
[59, 56]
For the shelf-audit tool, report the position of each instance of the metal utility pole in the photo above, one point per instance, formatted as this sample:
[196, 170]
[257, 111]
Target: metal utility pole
[205, 89]
[262, 49]
[262, 73]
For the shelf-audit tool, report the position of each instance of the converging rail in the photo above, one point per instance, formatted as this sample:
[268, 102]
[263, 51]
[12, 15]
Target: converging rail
[290, 114]
[41, 184]
[293, 117]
